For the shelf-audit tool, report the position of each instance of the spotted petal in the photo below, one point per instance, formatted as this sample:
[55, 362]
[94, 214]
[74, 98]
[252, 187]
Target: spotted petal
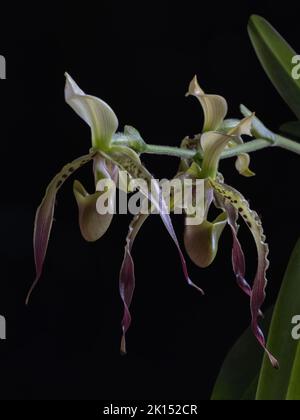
[154, 195]
[253, 221]
[214, 106]
[44, 215]
[95, 112]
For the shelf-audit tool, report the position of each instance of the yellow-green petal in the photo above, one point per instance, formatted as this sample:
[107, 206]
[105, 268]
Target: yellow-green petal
[243, 161]
[201, 241]
[242, 165]
[213, 144]
[92, 224]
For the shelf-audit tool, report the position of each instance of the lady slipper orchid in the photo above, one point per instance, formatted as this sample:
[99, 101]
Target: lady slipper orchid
[201, 241]
[109, 154]
[215, 109]
[113, 153]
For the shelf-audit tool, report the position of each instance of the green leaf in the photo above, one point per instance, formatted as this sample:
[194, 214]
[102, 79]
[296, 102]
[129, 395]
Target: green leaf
[239, 374]
[291, 129]
[293, 392]
[276, 56]
[284, 384]
[250, 393]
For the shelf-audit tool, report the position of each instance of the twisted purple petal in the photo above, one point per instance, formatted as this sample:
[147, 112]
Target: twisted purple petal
[44, 215]
[127, 276]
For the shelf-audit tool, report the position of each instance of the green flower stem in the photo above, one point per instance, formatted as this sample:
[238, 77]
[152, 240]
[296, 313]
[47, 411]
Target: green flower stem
[249, 147]
[287, 144]
[153, 149]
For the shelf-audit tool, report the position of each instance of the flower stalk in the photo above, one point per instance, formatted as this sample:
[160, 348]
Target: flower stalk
[249, 147]
[264, 138]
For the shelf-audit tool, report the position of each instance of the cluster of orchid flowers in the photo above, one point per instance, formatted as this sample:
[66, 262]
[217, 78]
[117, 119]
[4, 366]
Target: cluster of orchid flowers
[112, 152]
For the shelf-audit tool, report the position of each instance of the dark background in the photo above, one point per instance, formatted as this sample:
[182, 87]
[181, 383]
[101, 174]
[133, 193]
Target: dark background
[140, 59]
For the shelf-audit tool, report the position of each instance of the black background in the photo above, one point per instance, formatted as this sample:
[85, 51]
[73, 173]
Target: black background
[140, 59]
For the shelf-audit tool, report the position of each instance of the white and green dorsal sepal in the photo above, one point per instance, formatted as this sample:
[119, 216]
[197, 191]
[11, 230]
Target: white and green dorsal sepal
[94, 111]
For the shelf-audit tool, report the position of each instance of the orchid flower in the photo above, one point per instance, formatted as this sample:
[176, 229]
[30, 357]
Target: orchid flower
[215, 109]
[201, 241]
[109, 155]
[113, 152]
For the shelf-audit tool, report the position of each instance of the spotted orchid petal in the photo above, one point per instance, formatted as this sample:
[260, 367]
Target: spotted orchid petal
[214, 106]
[131, 164]
[137, 171]
[253, 221]
[201, 241]
[104, 169]
[95, 112]
[44, 215]
[127, 276]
